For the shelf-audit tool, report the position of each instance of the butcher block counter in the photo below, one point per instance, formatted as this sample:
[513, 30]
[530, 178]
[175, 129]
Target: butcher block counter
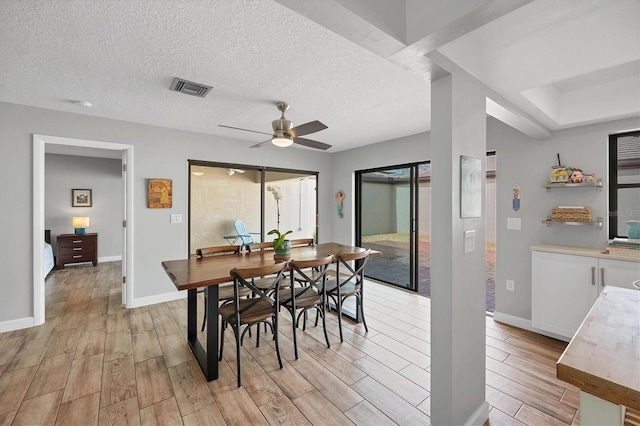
[603, 358]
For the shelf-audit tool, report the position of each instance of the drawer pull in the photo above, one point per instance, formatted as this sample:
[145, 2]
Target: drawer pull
[602, 277]
[593, 275]
[77, 241]
[76, 257]
[77, 248]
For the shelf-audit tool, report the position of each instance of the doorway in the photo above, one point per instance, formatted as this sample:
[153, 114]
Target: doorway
[88, 148]
[393, 216]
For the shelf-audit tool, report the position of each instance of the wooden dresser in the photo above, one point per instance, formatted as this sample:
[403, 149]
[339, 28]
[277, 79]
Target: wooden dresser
[72, 248]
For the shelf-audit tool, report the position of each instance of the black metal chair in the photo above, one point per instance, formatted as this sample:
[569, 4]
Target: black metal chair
[311, 295]
[348, 281]
[262, 308]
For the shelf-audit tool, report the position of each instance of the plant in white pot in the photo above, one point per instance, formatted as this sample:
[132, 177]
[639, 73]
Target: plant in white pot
[281, 245]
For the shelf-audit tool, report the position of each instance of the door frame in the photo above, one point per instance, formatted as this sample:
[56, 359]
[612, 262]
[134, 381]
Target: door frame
[39, 145]
[414, 202]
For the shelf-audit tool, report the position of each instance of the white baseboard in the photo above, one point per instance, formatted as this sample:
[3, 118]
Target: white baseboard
[16, 324]
[158, 298]
[479, 416]
[109, 259]
[525, 324]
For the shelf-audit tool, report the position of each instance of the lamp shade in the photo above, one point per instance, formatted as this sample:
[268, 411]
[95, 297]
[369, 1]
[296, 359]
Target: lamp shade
[80, 222]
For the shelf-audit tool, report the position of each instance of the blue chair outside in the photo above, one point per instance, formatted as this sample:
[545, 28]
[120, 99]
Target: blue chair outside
[243, 234]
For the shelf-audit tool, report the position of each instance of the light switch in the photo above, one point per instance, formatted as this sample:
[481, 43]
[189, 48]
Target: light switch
[176, 218]
[469, 241]
[514, 223]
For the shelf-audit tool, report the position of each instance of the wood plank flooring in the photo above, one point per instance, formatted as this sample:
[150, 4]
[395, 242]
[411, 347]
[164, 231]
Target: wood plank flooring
[95, 362]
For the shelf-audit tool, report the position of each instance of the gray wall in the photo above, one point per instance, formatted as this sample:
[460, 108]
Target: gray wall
[378, 198]
[158, 153]
[521, 160]
[104, 177]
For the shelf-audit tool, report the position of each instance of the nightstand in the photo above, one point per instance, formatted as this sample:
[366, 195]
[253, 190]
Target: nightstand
[72, 248]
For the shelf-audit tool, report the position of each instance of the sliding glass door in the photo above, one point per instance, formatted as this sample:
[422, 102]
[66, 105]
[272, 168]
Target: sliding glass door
[262, 198]
[393, 216]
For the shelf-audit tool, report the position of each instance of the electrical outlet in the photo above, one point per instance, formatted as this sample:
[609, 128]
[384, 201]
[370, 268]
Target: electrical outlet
[176, 218]
[511, 285]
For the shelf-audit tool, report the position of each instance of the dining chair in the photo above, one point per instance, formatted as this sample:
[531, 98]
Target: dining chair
[348, 281]
[262, 308]
[312, 295]
[225, 291]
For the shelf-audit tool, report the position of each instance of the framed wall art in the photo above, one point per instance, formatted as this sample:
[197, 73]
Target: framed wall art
[470, 187]
[159, 193]
[81, 198]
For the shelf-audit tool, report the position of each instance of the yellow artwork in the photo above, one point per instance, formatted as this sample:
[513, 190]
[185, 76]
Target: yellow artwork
[159, 195]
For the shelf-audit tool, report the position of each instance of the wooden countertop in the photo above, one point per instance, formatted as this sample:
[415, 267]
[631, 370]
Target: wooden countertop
[603, 358]
[580, 251]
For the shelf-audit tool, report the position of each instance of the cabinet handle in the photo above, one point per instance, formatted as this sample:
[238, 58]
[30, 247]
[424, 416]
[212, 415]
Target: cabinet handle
[77, 241]
[77, 248]
[593, 275]
[75, 257]
[602, 277]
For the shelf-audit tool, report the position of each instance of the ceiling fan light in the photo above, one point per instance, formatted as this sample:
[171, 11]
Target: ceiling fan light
[282, 141]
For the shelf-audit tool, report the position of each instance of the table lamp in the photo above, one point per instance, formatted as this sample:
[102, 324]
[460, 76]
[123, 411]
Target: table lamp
[80, 224]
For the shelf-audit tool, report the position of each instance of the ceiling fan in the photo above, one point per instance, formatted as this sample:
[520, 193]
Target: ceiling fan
[284, 134]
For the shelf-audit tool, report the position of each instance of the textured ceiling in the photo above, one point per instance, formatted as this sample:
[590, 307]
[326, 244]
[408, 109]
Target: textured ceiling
[122, 56]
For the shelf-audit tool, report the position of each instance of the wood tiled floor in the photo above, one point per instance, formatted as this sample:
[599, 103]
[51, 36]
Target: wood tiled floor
[94, 362]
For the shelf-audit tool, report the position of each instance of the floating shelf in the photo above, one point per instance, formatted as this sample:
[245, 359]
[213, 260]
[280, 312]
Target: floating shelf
[596, 184]
[598, 223]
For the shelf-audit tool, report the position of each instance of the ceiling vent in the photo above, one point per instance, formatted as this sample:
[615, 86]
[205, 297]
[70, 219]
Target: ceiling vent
[189, 87]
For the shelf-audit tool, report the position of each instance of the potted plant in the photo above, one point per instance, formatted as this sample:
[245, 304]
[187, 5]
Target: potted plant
[281, 245]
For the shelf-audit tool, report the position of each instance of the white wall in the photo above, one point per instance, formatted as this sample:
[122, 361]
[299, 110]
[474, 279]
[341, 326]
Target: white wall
[159, 153]
[104, 177]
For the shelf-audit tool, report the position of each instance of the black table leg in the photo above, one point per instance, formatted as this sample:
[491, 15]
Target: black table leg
[207, 359]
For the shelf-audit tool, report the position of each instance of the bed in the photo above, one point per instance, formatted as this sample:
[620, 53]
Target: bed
[48, 253]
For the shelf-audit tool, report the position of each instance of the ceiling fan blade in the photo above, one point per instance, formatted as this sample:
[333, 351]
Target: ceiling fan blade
[311, 144]
[307, 128]
[244, 130]
[258, 145]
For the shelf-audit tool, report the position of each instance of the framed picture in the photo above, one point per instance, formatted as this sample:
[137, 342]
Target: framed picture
[159, 193]
[470, 187]
[81, 198]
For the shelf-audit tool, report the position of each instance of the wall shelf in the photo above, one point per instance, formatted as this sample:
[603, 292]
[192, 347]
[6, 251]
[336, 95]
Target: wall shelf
[597, 184]
[598, 223]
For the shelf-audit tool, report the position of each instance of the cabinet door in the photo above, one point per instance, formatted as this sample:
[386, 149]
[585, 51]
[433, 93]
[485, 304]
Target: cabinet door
[563, 289]
[619, 273]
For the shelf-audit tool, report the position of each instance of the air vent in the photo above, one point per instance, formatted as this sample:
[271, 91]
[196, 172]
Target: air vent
[189, 87]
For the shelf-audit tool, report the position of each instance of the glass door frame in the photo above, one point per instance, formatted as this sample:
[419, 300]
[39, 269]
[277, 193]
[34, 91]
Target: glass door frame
[413, 216]
[263, 171]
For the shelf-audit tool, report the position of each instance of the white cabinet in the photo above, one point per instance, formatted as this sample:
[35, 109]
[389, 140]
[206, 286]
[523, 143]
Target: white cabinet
[564, 287]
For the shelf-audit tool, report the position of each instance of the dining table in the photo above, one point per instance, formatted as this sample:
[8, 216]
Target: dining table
[209, 272]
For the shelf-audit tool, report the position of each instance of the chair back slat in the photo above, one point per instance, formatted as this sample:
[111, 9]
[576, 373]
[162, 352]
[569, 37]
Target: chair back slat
[216, 251]
[301, 242]
[267, 245]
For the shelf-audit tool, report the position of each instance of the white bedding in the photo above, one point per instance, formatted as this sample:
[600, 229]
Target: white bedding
[48, 258]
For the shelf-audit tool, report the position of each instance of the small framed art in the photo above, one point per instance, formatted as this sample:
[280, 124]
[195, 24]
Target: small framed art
[81, 198]
[159, 193]
[470, 187]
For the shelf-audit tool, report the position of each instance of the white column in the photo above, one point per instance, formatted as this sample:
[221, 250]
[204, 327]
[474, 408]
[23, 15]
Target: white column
[458, 127]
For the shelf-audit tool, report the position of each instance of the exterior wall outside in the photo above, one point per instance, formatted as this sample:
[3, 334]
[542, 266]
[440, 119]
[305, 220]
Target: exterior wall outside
[104, 177]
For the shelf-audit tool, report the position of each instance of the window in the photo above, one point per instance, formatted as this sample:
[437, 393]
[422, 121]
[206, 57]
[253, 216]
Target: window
[624, 181]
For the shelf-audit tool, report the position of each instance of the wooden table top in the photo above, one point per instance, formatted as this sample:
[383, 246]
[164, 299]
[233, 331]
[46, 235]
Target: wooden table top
[603, 358]
[193, 273]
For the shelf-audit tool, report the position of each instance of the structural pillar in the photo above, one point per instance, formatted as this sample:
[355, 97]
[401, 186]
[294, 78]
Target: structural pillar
[458, 276]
